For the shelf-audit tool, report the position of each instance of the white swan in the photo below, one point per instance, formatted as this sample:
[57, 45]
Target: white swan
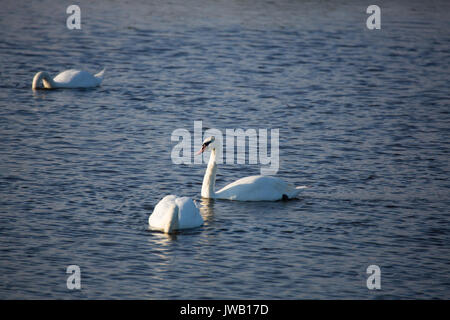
[175, 213]
[67, 79]
[253, 188]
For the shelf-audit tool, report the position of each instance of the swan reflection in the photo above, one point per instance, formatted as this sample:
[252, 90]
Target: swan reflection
[206, 209]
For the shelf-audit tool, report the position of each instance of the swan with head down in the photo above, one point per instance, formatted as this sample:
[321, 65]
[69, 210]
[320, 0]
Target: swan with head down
[67, 79]
[174, 213]
[253, 188]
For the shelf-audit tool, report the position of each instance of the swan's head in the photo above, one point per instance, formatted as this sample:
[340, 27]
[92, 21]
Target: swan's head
[208, 144]
[42, 80]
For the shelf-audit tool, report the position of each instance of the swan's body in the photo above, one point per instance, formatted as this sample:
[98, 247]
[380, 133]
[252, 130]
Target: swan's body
[68, 79]
[253, 188]
[258, 188]
[175, 213]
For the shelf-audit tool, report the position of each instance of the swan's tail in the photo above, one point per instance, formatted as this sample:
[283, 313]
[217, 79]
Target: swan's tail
[101, 74]
[296, 191]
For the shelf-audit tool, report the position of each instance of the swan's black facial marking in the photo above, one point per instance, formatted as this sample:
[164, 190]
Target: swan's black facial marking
[204, 145]
[207, 143]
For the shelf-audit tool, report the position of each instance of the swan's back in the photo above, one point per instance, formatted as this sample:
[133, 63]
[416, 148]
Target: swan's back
[77, 79]
[258, 188]
[174, 213]
[163, 213]
[188, 214]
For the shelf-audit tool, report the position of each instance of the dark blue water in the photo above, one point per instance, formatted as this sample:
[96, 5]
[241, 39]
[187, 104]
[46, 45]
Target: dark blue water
[364, 120]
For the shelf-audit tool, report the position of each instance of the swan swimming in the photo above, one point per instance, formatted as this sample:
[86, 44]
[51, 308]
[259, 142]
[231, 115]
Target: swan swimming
[67, 79]
[253, 188]
[175, 213]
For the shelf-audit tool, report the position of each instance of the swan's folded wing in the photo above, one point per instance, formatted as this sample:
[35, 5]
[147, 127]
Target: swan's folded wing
[162, 212]
[76, 79]
[189, 214]
[254, 188]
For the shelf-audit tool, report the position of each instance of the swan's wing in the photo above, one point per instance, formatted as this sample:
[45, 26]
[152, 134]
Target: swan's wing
[254, 188]
[188, 212]
[76, 79]
[174, 212]
[66, 76]
[162, 212]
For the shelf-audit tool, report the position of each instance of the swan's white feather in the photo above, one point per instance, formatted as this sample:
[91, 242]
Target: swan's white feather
[258, 188]
[253, 188]
[77, 79]
[175, 213]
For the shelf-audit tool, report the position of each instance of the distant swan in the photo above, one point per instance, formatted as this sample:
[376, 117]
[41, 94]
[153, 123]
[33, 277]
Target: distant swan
[253, 188]
[175, 213]
[67, 79]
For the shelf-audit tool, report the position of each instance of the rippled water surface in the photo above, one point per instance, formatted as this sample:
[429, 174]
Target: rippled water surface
[363, 118]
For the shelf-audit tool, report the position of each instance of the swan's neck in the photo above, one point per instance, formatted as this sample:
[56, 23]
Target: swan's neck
[44, 78]
[209, 180]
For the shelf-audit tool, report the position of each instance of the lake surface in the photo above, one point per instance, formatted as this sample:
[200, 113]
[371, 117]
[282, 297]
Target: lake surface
[363, 118]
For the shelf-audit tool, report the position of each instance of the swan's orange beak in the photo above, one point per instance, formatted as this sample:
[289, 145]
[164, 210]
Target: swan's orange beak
[201, 150]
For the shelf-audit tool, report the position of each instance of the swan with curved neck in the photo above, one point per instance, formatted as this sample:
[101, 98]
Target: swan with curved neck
[174, 213]
[253, 188]
[67, 79]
